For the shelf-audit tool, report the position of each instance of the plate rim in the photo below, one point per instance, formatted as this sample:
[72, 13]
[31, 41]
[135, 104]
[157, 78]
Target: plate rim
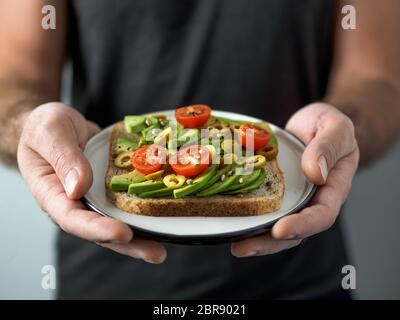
[213, 238]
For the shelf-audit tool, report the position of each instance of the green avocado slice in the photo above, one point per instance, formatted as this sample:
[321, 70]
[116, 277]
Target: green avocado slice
[247, 180]
[134, 124]
[216, 177]
[197, 184]
[145, 186]
[255, 185]
[189, 136]
[124, 144]
[219, 186]
[122, 181]
[164, 192]
[273, 140]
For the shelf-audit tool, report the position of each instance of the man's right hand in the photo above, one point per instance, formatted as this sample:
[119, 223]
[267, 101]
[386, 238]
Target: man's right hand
[51, 159]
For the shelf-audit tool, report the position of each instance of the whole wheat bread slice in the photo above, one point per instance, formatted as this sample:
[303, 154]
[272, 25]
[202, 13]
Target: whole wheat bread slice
[263, 200]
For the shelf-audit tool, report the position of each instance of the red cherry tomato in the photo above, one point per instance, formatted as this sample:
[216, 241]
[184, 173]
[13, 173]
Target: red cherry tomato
[190, 161]
[249, 132]
[149, 159]
[194, 116]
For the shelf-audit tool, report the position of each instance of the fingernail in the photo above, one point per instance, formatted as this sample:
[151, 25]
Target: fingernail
[248, 254]
[155, 261]
[323, 166]
[71, 180]
[291, 237]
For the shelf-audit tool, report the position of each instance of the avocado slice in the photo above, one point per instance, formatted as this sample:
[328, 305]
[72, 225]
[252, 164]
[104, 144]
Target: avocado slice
[273, 140]
[255, 185]
[247, 180]
[216, 177]
[145, 133]
[125, 145]
[151, 121]
[145, 186]
[219, 186]
[164, 192]
[122, 181]
[134, 124]
[190, 135]
[197, 184]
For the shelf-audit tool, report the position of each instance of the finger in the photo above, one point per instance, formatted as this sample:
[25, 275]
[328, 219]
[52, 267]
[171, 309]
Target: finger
[147, 250]
[70, 215]
[329, 137]
[325, 206]
[333, 141]
[261, 245]
[73, 218]
[60, 140]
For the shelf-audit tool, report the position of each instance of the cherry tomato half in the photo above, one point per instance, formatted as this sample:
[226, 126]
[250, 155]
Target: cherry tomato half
[194, 116]
[149, 159]
[249, 132]
[190, 161]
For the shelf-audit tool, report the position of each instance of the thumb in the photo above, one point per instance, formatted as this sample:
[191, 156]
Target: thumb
[318, 159]
[334, 139]
[59, 145]
[93, 128]
[79, 177]
[74, 171]
[329, 136]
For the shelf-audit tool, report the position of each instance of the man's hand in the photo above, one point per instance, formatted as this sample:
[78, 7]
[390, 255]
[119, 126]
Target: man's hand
[51, 160]
[329, 160]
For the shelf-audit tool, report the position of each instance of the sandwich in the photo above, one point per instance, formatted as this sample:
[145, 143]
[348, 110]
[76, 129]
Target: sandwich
[197, 164]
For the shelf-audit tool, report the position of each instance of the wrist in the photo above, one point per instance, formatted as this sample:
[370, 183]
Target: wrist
[11, 128]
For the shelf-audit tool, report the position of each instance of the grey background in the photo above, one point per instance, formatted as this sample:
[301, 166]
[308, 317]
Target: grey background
[371, 226]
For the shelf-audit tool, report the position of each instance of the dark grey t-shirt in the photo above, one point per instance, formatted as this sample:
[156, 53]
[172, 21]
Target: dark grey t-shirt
[265, 58]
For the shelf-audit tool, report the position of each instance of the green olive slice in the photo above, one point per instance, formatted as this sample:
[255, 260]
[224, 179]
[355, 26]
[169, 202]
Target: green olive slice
[123, 160]
[174, 181]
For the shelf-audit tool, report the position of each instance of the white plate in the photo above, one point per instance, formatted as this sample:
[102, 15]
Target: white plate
[195, 230]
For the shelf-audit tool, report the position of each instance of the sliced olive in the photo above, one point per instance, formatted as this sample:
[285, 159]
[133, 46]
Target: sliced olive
[123, 160]
[155, 175]
[174, 181]
[257, 161]
[269, 152]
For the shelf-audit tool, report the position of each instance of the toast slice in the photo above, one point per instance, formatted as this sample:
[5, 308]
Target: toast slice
[263, 200]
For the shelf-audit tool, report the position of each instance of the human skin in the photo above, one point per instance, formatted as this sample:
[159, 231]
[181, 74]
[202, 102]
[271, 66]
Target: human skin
[361, 106]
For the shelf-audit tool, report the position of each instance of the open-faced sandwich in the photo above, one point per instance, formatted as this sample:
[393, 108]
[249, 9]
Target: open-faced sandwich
[197, 164]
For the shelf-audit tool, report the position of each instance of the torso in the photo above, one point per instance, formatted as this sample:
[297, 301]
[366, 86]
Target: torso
[262, 58]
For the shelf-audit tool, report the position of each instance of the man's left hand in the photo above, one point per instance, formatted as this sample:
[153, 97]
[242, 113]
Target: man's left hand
[330, 160]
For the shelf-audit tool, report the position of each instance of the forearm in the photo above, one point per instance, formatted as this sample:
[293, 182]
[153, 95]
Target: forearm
[17, 100]
[374, 108]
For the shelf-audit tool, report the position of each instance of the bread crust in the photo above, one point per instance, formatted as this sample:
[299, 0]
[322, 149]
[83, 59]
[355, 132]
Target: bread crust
[263, 200]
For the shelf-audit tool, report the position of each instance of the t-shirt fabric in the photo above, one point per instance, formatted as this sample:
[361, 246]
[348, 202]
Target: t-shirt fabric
[263, 58]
